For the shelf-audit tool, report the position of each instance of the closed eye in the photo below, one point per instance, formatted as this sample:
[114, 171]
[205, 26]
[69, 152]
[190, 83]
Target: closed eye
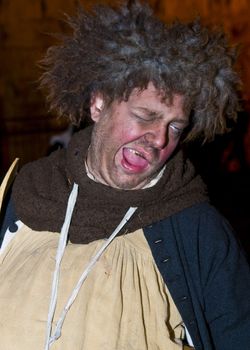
[176, 129]
[144, 118]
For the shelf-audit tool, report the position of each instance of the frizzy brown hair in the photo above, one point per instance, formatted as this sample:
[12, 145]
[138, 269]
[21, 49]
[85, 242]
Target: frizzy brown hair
[113, 51]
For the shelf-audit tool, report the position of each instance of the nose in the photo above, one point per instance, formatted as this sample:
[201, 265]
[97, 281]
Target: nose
[157, 138]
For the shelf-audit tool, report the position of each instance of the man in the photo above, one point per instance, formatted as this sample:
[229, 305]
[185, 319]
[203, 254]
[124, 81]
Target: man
[143, 261]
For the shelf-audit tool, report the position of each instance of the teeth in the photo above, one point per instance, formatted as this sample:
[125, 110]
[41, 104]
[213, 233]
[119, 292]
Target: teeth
[135, 152]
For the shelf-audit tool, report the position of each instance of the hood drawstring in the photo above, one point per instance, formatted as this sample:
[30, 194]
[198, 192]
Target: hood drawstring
[51, 338]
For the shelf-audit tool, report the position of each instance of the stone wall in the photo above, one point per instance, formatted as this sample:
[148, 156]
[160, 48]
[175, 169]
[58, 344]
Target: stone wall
[26, 125]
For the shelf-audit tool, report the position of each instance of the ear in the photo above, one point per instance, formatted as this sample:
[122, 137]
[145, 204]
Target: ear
[96, 106]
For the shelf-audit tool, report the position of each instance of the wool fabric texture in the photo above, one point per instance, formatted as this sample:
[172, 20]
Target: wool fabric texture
[41, 190]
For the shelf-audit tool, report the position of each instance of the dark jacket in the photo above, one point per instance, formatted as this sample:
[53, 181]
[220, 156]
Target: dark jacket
[207, 275]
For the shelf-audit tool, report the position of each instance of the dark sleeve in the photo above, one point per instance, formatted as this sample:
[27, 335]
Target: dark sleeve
[222, 277]
[8, 219]
[226, 288]
[207, 274]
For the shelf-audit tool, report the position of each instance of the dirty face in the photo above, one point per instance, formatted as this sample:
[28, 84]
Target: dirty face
[133, 139]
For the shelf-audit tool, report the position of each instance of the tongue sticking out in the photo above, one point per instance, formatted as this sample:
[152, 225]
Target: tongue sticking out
[133, 161]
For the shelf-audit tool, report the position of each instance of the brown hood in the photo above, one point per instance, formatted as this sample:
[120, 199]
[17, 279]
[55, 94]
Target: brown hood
[42, 188]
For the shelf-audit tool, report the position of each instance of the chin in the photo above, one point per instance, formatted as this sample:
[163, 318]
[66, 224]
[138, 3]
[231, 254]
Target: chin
[131, 185]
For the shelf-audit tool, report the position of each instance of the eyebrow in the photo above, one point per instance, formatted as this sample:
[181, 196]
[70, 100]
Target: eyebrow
[149, 112]
[155, 114]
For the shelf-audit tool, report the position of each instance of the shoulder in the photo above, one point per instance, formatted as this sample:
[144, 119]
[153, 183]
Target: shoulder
[199, 219]
[44, 167]
[200, 233]
[200, 212]
[202, 221]
[40, 176]
[204, 241]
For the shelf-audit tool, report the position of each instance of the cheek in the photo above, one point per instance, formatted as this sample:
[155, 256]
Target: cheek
[125, 134]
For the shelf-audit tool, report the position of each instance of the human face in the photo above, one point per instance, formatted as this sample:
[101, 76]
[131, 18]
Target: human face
[133, 139]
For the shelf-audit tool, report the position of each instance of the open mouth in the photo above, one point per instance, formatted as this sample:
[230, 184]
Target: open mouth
[133, 160]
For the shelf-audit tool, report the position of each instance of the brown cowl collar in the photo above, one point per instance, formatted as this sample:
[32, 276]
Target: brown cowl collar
[42, 188]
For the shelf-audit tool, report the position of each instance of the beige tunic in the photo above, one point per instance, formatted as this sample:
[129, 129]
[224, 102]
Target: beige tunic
[123, 304]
